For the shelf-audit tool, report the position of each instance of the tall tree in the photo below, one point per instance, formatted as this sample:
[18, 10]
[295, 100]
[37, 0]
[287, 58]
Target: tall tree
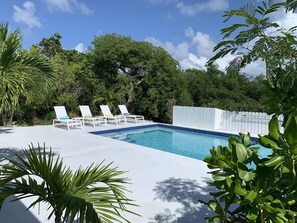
[214, 88]
[18, 68]
[114, 54]
[259, 38]
[51, 46]
[152, 75]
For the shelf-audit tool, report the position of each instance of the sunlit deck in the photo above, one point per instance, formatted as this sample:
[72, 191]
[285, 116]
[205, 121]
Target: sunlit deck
[166, 186]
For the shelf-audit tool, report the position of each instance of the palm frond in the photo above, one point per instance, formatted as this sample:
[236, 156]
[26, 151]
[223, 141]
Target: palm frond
[18, 68]
[95, 194]
[291, 5]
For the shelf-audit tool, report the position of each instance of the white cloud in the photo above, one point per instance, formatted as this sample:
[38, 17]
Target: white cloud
[82, 7]
[193, 62]
[204, 44]
[68, 6]
[154, 41]
[80, 47]
[285, 19]
[26, 15]
[62, 5]
[198, 50]
[255, 68]
[210, 5]
[189, 32]
[179, 52]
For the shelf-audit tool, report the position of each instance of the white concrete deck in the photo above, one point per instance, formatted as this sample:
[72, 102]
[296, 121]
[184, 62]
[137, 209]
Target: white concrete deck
[166, 186]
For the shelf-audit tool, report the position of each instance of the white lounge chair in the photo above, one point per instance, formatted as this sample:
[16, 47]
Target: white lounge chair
[117, 119]
[63, 118]
[125, 112]
[87, 116]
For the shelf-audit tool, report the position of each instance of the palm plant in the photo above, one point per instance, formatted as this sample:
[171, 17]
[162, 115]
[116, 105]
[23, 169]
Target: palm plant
[94, 194]
[18, 68]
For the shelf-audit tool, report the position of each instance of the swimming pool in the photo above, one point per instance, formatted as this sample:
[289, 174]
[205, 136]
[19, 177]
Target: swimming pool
[187, 142]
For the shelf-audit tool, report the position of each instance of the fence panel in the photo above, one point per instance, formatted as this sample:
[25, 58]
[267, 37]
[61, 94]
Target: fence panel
[216, 119]
[195, 117]
[252, 122]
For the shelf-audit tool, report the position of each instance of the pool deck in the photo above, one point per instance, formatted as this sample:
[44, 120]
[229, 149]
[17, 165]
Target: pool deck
[166, 186]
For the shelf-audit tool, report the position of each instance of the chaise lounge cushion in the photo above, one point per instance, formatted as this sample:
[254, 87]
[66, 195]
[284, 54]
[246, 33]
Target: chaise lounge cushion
[64, 118]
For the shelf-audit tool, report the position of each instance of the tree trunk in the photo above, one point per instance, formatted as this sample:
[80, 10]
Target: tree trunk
[10, 118]
[129, 100]
[58, 217]
[3, 119]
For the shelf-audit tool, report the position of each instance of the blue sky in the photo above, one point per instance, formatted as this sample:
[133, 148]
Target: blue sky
[187, 29]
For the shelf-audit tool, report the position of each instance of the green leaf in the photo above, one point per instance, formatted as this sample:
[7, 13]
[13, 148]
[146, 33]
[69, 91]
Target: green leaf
[269, 208]
[253, 214]
[290, 132]
[274, 161]
[251, 195]
[241, 152]
[215, 206]
[223, 164]
[246, 175]
[268, 143]
[239, 190]
[219, 177]
[216, 220]
[291, 202]
[274, 128]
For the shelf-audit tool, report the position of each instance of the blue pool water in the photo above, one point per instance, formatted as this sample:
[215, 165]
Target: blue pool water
[194, 144]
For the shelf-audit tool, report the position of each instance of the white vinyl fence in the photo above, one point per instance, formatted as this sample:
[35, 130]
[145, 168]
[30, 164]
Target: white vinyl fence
[217, 119]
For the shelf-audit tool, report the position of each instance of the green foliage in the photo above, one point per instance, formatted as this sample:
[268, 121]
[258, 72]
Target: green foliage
[153, 83]
[51, 46]
[118, 70]
[213, 88]
[251, 188]
[291, 5]
[95, 194]
[257, 38]
[18, 69]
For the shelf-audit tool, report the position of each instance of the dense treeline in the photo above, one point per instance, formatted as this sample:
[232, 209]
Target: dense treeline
[117, 70]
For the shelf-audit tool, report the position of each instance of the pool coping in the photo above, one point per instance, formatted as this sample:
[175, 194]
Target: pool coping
[216, 133]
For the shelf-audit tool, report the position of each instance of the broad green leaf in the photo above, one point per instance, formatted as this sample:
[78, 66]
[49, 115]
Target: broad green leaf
[241, 152]
[215, 206]
[290, 132]
[251, 195]
[219, 177]
[269, 208]
[246, 175]
[246, 139]
[268, 143]
[229, 182]
[223, 164]
[269, 197]
[239, 190]
[291, 202]
[274, 128]
[282, 217]
[279, 220]
[253, 214]
[216, 220]
[275, 161]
